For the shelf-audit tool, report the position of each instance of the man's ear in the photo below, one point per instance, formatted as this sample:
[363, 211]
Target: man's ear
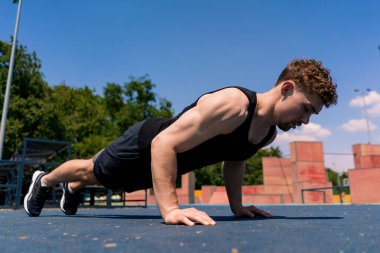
[287, 88]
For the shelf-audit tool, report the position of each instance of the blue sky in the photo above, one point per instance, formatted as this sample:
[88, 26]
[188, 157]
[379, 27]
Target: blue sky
[191, 47]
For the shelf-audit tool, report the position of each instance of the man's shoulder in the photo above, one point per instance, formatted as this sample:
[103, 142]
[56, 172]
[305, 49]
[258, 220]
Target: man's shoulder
[237, 88]
[239, 91]
[235, 92]
[230, 97]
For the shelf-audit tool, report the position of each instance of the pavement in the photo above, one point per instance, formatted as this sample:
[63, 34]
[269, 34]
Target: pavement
[293, 228]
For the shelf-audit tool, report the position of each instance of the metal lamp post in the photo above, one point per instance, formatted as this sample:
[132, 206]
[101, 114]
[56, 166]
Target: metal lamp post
[9, 80]
[365, 111]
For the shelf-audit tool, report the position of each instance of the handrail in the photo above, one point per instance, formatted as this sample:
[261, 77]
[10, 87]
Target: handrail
[324, 194]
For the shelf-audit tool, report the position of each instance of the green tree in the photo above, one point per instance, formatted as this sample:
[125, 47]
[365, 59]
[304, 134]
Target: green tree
[254, 166]
[113, 99]
[28, 90]
[209, 175]
[79, 110]
[75, 115]
[336, 179]
[133, 102]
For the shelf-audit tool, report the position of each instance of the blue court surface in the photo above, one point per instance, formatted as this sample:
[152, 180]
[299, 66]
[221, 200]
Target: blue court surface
[293, 228]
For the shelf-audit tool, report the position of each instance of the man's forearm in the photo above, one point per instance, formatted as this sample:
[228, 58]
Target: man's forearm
[164, 174]
[233, 177]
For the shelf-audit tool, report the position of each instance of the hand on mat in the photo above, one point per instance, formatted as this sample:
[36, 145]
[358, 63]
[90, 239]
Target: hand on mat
[188, 216]
[251, 211]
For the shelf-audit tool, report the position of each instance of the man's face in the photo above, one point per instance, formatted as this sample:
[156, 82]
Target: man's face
[296, 108]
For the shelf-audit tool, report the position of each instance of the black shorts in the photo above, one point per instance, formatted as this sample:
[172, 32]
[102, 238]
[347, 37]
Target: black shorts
[121, 165]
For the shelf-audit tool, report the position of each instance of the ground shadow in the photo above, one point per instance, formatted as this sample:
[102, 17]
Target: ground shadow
[216, 218]
[108, 216]
[232, 218]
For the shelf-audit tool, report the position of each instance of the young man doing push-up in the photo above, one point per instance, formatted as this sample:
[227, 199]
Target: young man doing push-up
[228, 125]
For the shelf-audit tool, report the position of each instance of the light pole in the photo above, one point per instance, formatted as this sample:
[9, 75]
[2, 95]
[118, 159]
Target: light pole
[9, 80]
[363, 93]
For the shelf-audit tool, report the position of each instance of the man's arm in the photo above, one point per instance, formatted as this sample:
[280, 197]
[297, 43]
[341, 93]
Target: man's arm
[233, 178]
[217, 113]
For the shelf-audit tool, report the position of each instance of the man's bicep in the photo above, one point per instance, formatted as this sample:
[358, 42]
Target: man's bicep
[188, 131]
[201, 123]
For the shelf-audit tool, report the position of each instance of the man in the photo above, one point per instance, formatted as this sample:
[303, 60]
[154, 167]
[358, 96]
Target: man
[229, 125]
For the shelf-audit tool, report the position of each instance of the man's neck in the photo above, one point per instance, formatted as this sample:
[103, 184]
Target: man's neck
[264, 111]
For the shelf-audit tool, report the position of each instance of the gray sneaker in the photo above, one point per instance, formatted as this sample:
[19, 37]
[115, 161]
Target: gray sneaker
[69, 201]
[35, 198]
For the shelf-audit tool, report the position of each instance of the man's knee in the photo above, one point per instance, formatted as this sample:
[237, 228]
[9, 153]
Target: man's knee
[86, 171]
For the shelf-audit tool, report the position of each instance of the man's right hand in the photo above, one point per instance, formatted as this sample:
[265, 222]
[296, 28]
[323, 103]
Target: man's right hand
[188, 216]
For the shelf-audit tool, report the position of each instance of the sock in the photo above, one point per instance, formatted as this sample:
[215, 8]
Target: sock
[69, 188]
[43, 182]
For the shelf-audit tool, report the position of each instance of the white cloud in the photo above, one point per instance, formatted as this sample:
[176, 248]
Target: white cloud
[372, 100]
[357, 102]
[374, 110]
[309, 132]
[357, 125]
[315, 129]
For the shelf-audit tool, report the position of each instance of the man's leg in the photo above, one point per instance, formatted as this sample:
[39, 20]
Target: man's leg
[72, 171]
[81, 171]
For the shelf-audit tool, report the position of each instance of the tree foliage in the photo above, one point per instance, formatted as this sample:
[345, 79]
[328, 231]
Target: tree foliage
[28, 91]
[254, 165]
[133, 102]
[336, 179]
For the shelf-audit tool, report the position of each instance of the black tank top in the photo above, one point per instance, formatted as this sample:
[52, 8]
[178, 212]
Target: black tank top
[225, 147]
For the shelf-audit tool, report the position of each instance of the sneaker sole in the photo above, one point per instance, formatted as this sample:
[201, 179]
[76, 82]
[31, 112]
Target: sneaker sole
[29, 194]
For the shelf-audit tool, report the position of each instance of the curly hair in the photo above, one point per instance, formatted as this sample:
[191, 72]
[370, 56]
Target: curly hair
[311, 76]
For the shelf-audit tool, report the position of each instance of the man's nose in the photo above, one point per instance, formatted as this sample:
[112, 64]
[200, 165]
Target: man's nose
[305, 119]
